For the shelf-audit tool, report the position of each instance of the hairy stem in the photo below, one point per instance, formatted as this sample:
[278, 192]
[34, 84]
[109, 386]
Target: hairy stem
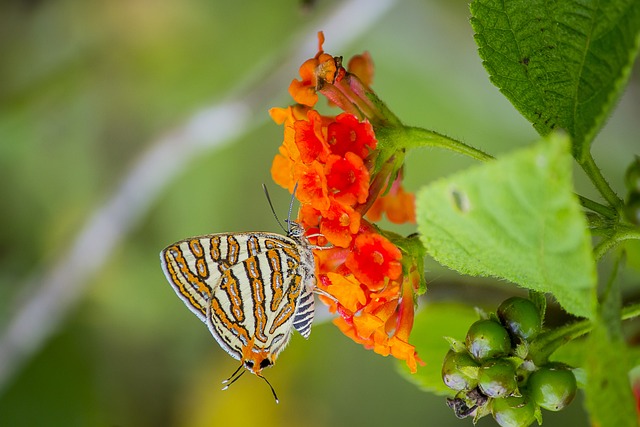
[622, 233]
[419, 137]
[595, 175]
[599, 208]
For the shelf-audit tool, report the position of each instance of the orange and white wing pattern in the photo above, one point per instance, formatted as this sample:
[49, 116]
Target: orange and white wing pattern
[194, 266]
[251, 289]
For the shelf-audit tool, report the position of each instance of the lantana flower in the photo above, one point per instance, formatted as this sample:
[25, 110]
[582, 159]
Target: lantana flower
[345, 167]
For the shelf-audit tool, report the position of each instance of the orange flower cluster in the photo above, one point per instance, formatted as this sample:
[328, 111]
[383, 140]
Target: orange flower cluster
[332, 162]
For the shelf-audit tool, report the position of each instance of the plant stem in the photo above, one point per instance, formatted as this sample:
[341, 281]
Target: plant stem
[419, 137]
[630, 311]
[594, 206]
[621, 234]
[545, 344]
[595, 175]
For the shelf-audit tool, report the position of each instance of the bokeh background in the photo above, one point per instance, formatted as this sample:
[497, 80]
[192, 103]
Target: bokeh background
[126, 125]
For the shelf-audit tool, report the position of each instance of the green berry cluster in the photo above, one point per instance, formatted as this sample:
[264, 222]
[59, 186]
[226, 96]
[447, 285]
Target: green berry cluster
[492, 371]
[632, 182]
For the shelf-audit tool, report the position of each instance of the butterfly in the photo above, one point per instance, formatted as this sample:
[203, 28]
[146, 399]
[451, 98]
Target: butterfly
[251, 289]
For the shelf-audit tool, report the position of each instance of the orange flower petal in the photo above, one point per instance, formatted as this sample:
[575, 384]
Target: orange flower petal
[289, 114]
[400, 207]
[347, 178]
[374, 260]
[406, 309]
[314, 72]
[347, 328]
[362, 67]
[374, 214]
[304, 92]
[381, 343]
[386, 310]
[279, 115]
[308, 217]
[366, 324]
[332, 260]
[404, 351]
[281, 171]
[398, 204]
[309, 138]
[339, 224]
[320, 41]
[312, 185]
[347, 291]
[347, 133]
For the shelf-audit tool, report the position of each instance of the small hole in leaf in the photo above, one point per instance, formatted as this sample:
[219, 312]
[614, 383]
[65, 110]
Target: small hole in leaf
[460, 200]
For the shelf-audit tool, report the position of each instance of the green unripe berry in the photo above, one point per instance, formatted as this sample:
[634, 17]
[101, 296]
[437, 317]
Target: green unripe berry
[514, 411]
[453, 371]
[487, 339]
[497, 378]
[521, 317]
[552, 387]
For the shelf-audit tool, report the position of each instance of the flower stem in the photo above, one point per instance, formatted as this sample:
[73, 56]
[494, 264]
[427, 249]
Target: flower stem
[595, 175]
[419, 137]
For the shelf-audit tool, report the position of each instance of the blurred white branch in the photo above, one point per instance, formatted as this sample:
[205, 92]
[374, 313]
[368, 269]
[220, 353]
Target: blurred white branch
[53, 293]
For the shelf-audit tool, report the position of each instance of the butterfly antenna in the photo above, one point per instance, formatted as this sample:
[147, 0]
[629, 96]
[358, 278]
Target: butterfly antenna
[233, 378]
[293, 197]
[275, 215]
[275, 396]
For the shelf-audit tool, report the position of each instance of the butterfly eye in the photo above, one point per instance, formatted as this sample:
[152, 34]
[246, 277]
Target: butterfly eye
[248, 364]
[265, 363]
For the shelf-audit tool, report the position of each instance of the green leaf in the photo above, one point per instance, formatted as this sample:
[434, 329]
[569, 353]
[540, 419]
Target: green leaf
[562, 64]
[540, 302]
[515, 218]
[431, 325]
[609, 398]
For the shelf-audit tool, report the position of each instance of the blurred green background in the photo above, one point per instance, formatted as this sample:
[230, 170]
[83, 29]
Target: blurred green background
[88, 89]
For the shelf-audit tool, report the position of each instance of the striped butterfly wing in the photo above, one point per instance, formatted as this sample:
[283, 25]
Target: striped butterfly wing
[268, 287]
[251, 289]
[194, 266]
